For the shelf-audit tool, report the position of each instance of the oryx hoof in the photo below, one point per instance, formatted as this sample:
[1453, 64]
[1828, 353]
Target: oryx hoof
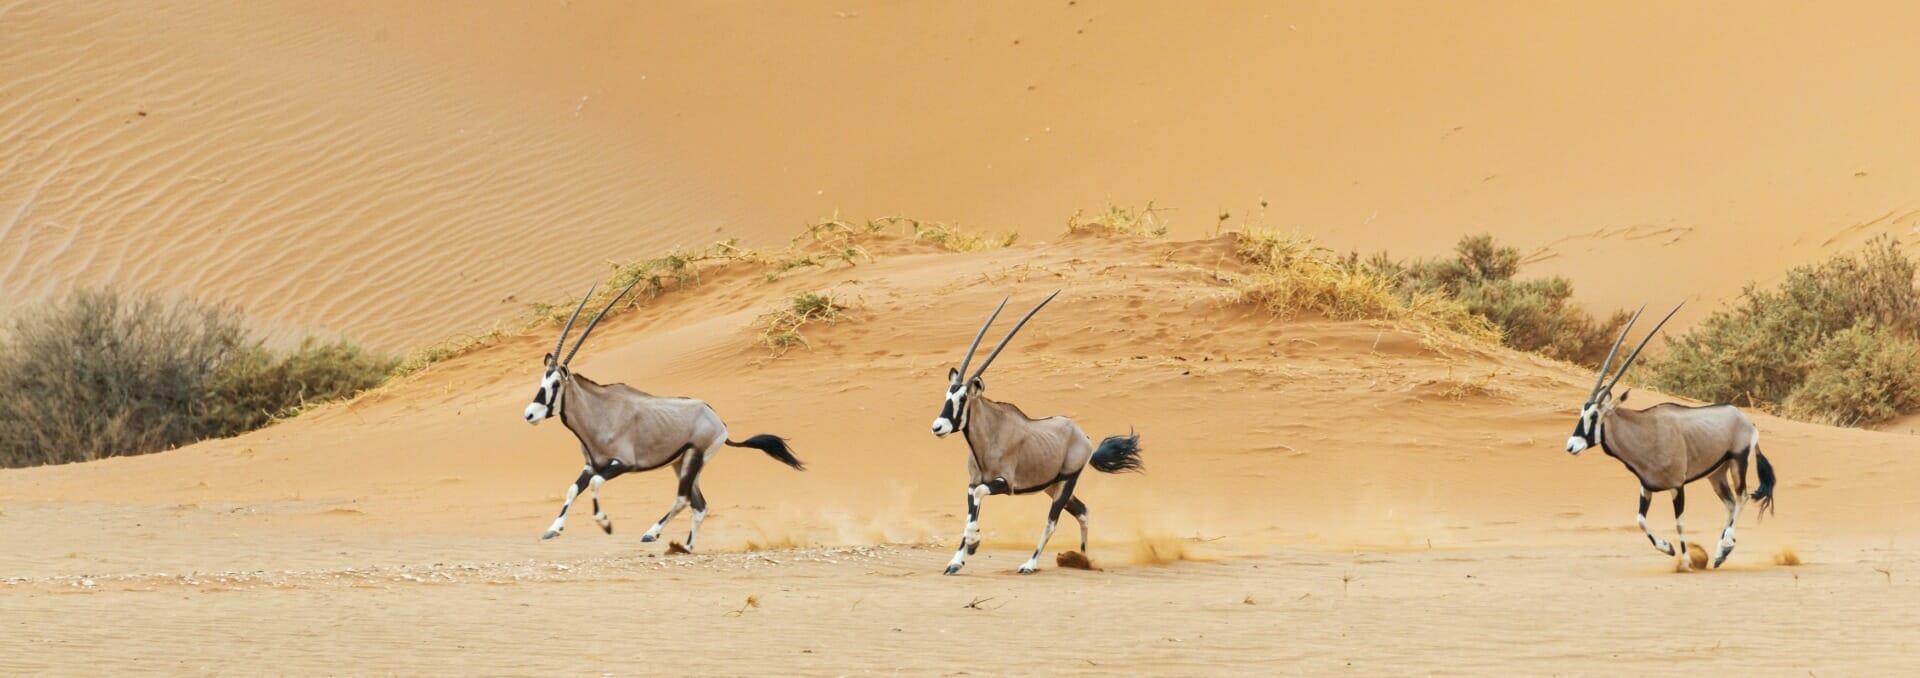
[550, 534]
[1665, 548]
[644, 538]
[1717, 560]
[953, 568]
[1026, 570]
[607, 526]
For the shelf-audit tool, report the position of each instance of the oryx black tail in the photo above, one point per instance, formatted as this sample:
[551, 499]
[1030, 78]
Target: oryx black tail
[775, 446]
[1763, 495]
[1118, 454]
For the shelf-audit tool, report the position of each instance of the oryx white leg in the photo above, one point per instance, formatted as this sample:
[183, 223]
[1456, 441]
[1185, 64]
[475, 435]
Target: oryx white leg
[573, 491]
[1680, 525]
[1062, 493]
[699, 504]
[1731, 499]
[1079, 511]
[598, 515]
[1658, 543]
[969, 539]
[653, 533]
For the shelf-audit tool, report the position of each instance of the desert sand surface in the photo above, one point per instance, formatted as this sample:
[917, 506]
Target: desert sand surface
[399, 172]
[1320, 496]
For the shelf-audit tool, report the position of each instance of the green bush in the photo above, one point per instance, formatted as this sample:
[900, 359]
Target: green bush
[1769, 343]
[1535, 315]
[1862, 376]
[100, 374]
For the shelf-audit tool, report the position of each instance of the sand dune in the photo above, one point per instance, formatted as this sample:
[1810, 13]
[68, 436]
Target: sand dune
[1283, 457]
[1320, 496]
[402, 172]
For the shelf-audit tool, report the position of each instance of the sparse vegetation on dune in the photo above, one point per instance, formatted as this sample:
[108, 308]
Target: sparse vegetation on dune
[1291, 275]
[1536, 315]
[780, 329]
[102, 374]
[1836, 342]
[1145, 222]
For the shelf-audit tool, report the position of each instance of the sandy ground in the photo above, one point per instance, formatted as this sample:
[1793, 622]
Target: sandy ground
[1337, 474]
[1320, 496]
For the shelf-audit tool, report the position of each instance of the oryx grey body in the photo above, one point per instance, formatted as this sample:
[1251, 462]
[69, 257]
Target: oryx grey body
[623, 430]
[1011, 453]
[1668, 446]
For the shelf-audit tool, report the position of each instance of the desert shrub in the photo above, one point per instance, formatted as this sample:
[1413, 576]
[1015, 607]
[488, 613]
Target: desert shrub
[254, 387]
[1292, 275]
[101, 374]
[1863, 375]
[1116, 220]
[1536, 315]
[1767, 345]
[780, 329]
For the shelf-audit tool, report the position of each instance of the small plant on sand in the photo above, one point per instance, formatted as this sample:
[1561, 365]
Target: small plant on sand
[1145, 222]
[949, 237]
[780, 329]
[1291, 275]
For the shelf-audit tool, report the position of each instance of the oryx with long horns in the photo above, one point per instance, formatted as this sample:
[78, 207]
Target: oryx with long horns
[1012, 454]
[623, 430]
[1669, 445]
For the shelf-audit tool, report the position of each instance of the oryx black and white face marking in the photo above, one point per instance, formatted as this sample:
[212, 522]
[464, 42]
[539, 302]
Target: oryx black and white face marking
[542, 406]
[953, 413]
[1586, 431]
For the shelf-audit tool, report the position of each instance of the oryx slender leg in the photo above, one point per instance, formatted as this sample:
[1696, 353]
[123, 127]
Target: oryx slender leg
[1680, 524]
[1078, 510]
[600, 516]
[689, 469]
[1658, 543]
[697, 500]
[1732, 499]
[969, 539]
[1061, 493]
[560, 522]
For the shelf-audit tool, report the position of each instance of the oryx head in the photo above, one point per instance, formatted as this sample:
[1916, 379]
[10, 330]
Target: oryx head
[546, 402]
[1600, 402]
[962, 389]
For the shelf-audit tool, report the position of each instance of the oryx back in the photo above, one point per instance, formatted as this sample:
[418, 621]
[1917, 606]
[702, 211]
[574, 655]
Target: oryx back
[1669, 445]
[1029, 453]
[641, 431]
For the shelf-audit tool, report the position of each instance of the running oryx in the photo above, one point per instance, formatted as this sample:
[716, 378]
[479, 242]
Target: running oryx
[1669, 445]
[622, 430]
[1012, 454]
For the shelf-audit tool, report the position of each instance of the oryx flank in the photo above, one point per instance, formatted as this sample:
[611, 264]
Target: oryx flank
[1669, 445]
[1012, 454]
[622, 430]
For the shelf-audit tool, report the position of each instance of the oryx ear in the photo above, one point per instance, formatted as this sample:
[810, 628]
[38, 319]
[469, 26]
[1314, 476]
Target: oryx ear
[953, 375]
[976, 386]
[549, 359]
[1623, 395]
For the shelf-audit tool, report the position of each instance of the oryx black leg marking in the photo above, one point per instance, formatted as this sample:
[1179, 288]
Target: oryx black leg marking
[608, 471]
[699, 504]
[1727, 496]
[969, 539]
[689, 467]
[1053, 518]
[1646, 497]
[1078, 510]
[580, 485]
[1680, 523]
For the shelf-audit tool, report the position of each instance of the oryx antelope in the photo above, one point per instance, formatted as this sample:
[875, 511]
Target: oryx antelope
[623, 430]
[1669, 445]
[1012, 454]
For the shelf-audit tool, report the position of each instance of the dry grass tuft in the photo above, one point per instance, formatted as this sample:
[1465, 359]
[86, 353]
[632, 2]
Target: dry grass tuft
[1695, 561]
[1787, 558]
[1292, 276]
[1075, 560]
[1144, 222]
[780, 329]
